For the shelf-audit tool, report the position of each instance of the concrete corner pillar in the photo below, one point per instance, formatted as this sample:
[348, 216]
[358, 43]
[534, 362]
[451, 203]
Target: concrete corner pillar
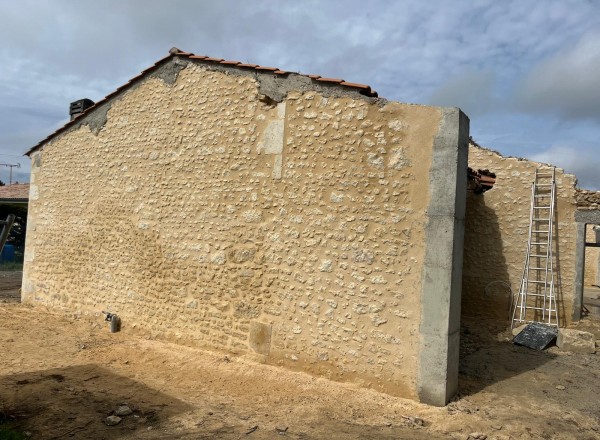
[579, 271]
[442, 270]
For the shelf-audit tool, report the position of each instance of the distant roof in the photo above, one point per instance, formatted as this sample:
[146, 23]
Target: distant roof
[363, 89]
[17, 192]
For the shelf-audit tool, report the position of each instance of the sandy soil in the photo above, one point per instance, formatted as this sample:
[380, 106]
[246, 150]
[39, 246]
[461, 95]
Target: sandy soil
[61, 377]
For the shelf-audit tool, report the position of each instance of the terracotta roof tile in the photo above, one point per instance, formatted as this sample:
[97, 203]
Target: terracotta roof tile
[357, 85]
[361, 88]
[331, 80]
[266, 68]
[16, 191]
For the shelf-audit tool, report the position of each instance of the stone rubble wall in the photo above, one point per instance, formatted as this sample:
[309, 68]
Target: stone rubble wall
[587, 200]
[288, 232]
[496, 233]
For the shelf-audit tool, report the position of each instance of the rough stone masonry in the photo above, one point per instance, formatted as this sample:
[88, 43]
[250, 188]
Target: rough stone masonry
[299, 225]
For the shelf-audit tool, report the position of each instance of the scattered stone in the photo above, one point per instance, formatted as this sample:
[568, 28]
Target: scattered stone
[576, 341]
[519, 329]
[28, 433]
[112, 420]
[123, 410]
[497, 427]
[477, 436]
[560, 387]
[252, 429]
[281, 429]
[418, 421]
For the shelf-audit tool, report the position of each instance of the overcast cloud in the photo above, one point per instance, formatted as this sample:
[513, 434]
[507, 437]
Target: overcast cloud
[526, 72]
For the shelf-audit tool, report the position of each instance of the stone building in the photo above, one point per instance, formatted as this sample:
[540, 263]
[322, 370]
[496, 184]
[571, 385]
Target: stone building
[296, 220]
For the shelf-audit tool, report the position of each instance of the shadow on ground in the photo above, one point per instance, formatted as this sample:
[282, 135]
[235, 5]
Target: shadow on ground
[73, 402]
[488, 356]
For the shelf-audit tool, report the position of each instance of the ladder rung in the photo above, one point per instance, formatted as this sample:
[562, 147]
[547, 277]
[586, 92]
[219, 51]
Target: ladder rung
[544, 175]
[538, 243]
[546, 231]
[542, 195]
[541, 219]
[536, 294]
[542, 207]
[537, 282]
[544, 184]
[538, 268]
[539, 255]
[538, 308]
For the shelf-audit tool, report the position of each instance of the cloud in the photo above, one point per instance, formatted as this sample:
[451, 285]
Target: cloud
[566, 83]
[584, 163]
[471, 91]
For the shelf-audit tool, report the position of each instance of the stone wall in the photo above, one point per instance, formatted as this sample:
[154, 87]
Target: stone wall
[291, 232]
[588, 200]
[592, 259]
[496, 232]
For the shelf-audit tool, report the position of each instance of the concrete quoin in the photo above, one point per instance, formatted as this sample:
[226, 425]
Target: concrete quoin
[442, 272]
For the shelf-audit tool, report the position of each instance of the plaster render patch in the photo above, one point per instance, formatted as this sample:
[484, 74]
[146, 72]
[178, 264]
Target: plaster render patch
[260, 337]
[272, 142]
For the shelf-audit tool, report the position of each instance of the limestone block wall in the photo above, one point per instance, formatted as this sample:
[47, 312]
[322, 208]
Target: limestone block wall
[496, 232]
[288, 231]
[592, 258]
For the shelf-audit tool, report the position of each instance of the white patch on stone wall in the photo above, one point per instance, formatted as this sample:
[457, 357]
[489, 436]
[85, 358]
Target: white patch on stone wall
[34, 192]
[323, 356]
[378, 279]
[273, 140]
[336, 198]
[252, 216]
[375, 160]
[218, 258]
[396, 125]
[277, 165]
[326, 266]
[366, 142]
[398, 159]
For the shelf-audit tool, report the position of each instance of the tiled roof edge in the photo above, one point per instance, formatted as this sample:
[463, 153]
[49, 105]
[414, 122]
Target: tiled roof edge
[363, 89]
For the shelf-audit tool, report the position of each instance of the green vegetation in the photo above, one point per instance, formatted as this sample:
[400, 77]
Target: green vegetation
[8, 431]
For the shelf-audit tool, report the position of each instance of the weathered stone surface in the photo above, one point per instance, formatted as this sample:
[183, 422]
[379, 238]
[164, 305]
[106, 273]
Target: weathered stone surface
[112, 420]
[576, 341]
[496, 229]
[123, 410]
[199, 212]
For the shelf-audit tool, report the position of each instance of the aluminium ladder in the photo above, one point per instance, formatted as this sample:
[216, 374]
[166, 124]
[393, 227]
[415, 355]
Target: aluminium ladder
[536, 300]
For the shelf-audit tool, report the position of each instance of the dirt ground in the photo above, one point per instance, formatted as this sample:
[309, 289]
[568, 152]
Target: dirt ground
[61, 377]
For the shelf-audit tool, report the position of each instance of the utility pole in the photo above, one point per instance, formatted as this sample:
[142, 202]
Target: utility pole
[11, 166]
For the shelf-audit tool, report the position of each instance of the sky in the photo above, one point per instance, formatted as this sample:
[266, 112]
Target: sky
[527, 73]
